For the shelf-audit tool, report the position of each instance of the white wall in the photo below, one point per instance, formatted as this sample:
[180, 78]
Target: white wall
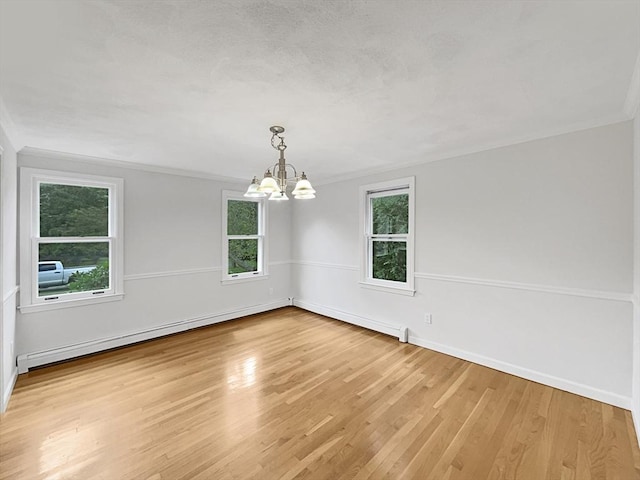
[172, 258]
[524, 256]
[8, 251]
[636, 277]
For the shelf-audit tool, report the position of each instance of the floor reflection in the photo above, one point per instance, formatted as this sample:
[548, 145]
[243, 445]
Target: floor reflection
[62, 452]
[241, 375]
[241, 401]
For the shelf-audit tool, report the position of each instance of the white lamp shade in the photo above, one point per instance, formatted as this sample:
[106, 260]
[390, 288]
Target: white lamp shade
[269, 185]
[303, 187]
[278, 196]
[253, 192]
[305, 196]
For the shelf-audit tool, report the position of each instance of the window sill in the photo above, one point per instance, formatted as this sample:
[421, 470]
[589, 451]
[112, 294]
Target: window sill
[43, 307]
[384, 288]
[253, 278]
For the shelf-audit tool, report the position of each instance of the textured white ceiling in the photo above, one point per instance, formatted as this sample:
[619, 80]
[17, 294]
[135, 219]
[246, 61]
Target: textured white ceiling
[358, 85]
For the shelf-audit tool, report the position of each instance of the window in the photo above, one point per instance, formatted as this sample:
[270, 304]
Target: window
[387, 236]
[243, 250]
[71, 248]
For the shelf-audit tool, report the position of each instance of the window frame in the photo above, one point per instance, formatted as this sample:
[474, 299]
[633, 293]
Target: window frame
[377, 190]
[262, 272]
[30, 239]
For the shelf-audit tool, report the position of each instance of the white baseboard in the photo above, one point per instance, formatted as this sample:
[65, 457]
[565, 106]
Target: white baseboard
[533, 375]
[34, 359]
[528, 374]
[26, 361]
[7, 393]
[387, 328]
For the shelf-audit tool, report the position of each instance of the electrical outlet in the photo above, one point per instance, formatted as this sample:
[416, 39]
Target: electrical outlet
[11, 349]
[271, 291]
[428, 319]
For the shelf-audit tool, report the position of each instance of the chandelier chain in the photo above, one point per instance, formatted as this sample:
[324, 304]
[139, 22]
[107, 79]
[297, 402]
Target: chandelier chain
[281, 145]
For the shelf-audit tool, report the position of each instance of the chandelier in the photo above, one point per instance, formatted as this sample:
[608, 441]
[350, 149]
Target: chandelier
[275, 184]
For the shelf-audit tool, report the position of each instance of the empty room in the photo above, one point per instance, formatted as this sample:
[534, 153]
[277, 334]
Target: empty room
[343, 239]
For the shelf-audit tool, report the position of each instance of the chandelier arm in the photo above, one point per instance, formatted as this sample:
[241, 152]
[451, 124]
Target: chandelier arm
[280, 174]
[295, 172]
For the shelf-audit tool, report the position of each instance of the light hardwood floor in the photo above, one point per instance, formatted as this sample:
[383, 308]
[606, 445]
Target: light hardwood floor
[293, 395]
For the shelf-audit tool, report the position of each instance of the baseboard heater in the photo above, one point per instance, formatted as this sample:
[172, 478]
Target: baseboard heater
[36, 359]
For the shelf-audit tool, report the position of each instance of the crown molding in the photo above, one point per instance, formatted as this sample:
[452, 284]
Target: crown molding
[469, 150]
[428, 158]
[632, 102]
[53, 154]
[10, 130]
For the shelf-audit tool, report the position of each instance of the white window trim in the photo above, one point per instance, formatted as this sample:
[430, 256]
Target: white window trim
[262, 237]
[30, 179]
[384, 189]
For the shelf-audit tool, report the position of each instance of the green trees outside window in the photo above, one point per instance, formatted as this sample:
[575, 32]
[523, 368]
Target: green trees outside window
[243, 230]
[95, 279]
[75, 211]
[390, 261]
[389, 216]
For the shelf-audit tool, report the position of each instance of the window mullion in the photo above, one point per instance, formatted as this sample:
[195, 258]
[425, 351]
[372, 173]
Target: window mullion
[244, 237]
[69, 203]
[243, 255]
[389, 236]
[74, 239]
[387, 258]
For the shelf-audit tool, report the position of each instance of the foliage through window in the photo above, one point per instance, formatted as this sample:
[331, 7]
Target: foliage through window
[66, 213]
[388, 236]
[74, 239]
[390, 225]
[244, 237]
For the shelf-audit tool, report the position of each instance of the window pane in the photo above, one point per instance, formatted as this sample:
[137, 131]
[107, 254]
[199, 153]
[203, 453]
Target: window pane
[77, 267]
[390, 261]
[73, 211]
[390, 214]
[242, 218]
[243, 256]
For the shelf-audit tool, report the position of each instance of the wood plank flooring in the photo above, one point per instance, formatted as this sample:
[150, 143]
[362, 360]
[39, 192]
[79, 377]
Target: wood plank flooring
[293, 395]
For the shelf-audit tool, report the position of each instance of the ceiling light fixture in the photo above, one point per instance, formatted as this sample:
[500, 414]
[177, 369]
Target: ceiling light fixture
[276, 186]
